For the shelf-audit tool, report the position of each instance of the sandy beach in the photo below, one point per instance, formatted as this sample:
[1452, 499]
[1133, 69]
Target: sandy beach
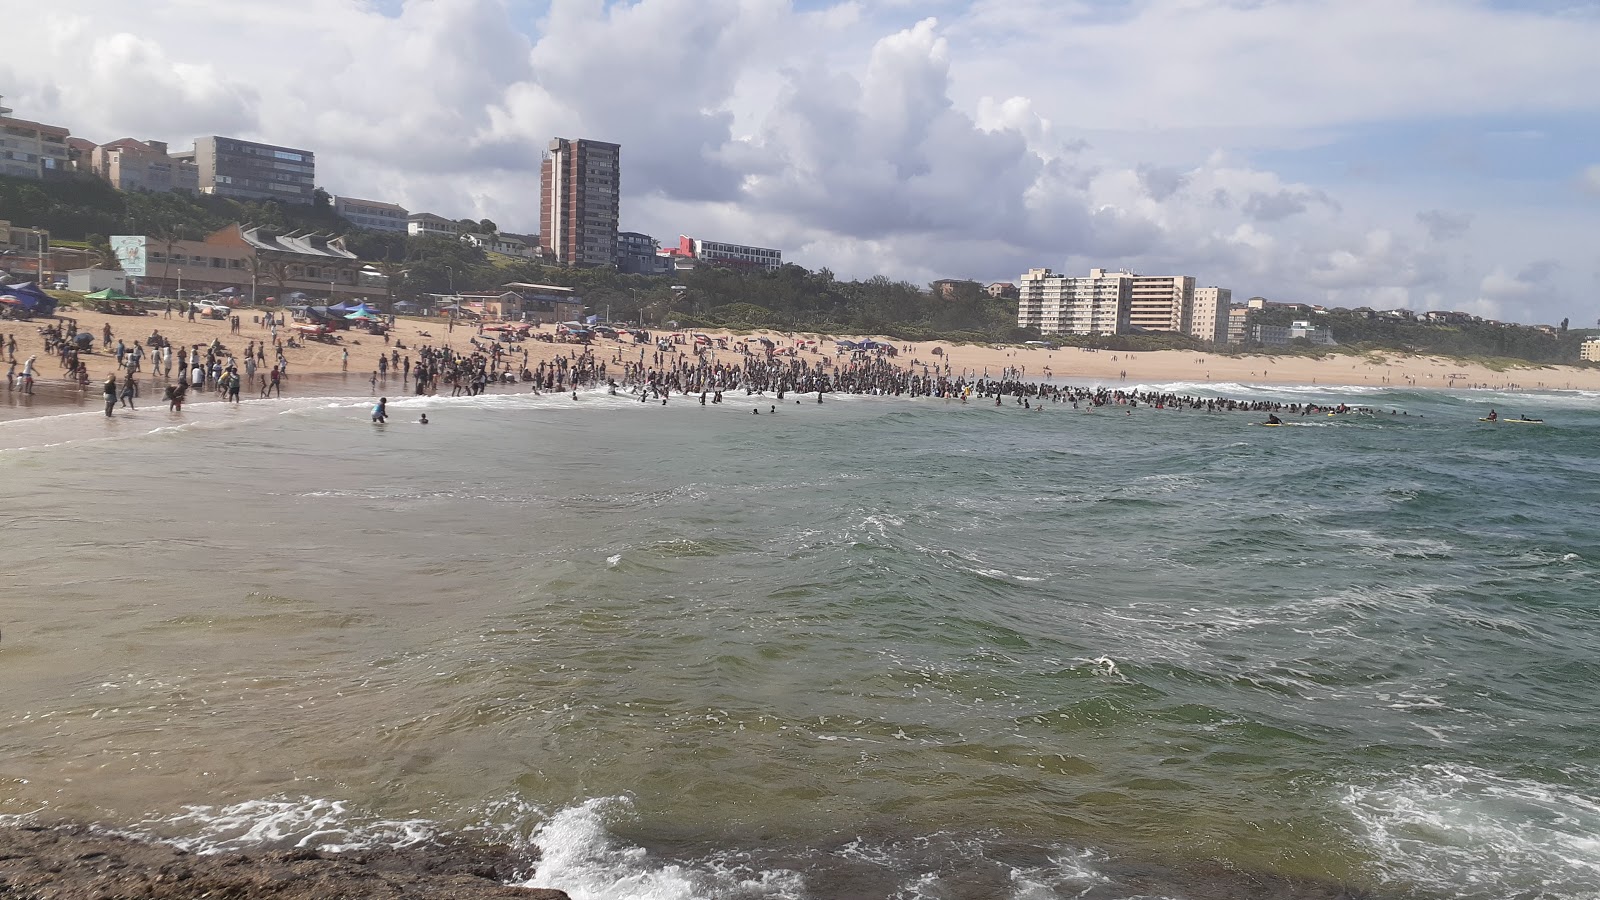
[319, 368]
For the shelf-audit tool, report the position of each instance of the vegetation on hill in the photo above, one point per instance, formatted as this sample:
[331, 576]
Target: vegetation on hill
[1356, 333]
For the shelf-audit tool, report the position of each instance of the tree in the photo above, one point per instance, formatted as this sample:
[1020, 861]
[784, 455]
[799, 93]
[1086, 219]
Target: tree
[487, 226]
[321, 200]
[1563, 326]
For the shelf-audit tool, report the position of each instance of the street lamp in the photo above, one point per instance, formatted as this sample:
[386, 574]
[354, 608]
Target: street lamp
[38, 244]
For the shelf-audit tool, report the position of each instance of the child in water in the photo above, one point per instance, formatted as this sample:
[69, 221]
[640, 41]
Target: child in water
[380, 413]
[423, 420]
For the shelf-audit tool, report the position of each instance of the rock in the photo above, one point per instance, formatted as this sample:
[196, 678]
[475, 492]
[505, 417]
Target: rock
[73, 862]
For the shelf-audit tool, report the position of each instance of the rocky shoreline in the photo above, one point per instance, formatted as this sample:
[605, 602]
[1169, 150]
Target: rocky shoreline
[75, 862]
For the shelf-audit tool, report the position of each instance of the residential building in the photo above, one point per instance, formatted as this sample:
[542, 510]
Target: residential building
[1589, 351]
[1285, 335]
[430, 225]
[640, 254]
[257, 261]
[1161, 302]
[951, 288]
[246, 170]
[1002, 290]
[30, 149]
[738, 256]
[1059, 304]
[510, 245]
[580, 185]
[373, 215]
[1208, 319]
[1238, 323]
[132, 165]
[80, 155]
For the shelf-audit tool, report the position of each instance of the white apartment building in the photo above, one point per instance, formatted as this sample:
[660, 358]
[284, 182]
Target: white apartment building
[508, 244]
[1161, 302]
[1059, 304]
[739, 255]
[373, 215]
[1209, 319]
[426, 224]
[1589, 351]
[29, 149]
[132, 165]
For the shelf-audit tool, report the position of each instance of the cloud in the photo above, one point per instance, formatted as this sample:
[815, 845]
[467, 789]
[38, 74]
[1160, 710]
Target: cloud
[881, 137]
[1445, 226]
[1589, 179]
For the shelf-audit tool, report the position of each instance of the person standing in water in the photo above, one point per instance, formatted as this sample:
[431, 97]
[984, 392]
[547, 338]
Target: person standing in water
[380, 413]
[110, 391]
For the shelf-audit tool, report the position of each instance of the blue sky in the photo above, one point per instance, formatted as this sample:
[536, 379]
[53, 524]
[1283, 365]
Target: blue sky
[1431, 154]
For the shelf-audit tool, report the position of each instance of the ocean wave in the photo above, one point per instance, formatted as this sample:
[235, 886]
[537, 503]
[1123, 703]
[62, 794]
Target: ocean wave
[281, 822]
[579, 855]
[1470, 833]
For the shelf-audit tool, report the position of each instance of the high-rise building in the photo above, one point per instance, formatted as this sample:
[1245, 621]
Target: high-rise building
[31, 150]
[580, 184]
[245, 170]
[1058, 304]
[1161, 302]
[1209, 321]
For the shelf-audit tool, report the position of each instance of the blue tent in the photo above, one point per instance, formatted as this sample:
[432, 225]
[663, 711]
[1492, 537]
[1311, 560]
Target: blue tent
[341, 306]
[32, 299]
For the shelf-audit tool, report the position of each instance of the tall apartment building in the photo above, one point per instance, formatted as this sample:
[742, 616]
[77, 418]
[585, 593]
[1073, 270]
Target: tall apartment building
[1238, 323]
[30, 149]
[1209, 321]
[132, 165]
[1589, 351]
[373, 215]
[1161, 302]
[580, 184]
[245, 170]
[1059, 304]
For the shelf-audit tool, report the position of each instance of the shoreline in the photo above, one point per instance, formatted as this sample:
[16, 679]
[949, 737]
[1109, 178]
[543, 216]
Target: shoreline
[319, 369]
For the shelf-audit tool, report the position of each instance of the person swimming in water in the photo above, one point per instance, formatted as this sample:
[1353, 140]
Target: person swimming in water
[423, 420]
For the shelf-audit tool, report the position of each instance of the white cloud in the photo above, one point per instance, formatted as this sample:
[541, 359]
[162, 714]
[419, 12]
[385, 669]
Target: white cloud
[1589, 179]
[920, 140]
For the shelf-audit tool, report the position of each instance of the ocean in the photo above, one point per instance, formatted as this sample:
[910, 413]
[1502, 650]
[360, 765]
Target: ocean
[876, 648]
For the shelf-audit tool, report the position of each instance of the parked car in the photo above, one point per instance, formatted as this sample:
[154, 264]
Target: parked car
[211, 310]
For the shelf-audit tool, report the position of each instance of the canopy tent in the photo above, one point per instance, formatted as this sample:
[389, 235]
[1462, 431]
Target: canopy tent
[228, 290]
[363, 314]
[341, 306]
[107, 294]
[30, 298]
[363, 308]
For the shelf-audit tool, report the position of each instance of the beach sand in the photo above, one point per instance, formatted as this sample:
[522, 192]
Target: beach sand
[318, 369]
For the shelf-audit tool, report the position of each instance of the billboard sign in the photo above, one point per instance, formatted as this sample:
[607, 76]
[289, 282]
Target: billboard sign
[129, 250]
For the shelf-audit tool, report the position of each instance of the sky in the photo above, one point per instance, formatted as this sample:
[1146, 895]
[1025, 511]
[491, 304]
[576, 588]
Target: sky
[1426, 154]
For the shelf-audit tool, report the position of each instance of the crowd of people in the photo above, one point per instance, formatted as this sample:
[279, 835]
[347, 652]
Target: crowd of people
[661, 371]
